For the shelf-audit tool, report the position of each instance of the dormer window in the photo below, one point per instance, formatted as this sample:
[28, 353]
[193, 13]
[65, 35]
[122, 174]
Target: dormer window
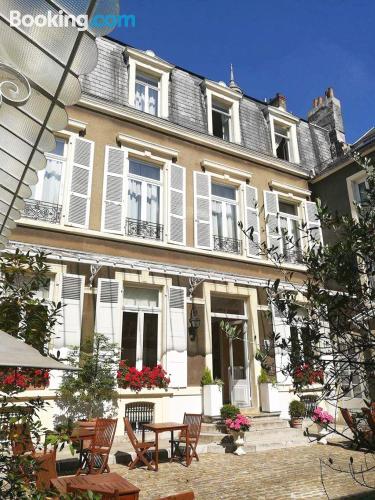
[221, 121]
[147, 93]
[282, 141]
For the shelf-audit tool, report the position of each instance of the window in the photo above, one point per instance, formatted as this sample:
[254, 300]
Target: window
[361, 194]
[147, 93]
[282, 141]
[46, 196]
[221, 121]
[224, 218]
[144, 201]
[290, 235]
[140, 326]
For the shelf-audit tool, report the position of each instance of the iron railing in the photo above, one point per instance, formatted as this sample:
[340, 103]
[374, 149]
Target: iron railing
[42, 210]
[144, 229]
[293, 255]
[228, 245]
[139, 413]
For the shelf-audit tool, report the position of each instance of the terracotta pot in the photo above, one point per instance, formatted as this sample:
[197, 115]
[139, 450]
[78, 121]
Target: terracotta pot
[296, 422]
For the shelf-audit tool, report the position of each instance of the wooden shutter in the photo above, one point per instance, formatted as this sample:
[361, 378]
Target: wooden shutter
[80, 182]
[202, 210]
[176, 365]
[177, 204]
[313, 223]
[72, 288]
[271, 209]
[108, 309]
[282, 359]
[252, 220]
[114, 190]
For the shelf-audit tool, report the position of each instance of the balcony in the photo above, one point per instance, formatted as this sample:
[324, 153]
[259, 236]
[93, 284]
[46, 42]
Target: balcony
[42, 210]
[144, 229]
[228, 245]
[293, 255]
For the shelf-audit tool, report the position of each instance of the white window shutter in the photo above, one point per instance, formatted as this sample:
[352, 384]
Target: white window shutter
[252, 220]
[176, 365]
[202, 210]
[313, 223]
[80, 182]
[108, 309]
[177, 204]
[114, 190]
[72, 290]
[271, 209]
[282, 358]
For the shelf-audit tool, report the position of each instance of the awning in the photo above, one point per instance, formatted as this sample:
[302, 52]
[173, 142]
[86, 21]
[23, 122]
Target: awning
[39, 70]
[15, 353]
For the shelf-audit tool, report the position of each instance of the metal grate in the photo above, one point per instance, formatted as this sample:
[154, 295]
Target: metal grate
[229, 245]
[310, 401]
[139, 414]
[42, 210]
[293, 255]
[144, 229]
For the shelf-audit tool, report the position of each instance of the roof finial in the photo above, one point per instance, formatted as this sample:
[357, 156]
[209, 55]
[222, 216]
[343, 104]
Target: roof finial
[232, 84]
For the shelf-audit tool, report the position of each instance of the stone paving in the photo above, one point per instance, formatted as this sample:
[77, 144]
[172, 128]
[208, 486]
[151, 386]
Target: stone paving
[292, 473]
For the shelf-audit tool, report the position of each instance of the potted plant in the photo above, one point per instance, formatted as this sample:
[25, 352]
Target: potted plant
[269, 395]
[212, 394]
[237, 427]
[297, 411]
[322, 418]
[229, 411]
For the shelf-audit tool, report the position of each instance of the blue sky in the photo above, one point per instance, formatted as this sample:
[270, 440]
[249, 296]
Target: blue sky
[296, 47]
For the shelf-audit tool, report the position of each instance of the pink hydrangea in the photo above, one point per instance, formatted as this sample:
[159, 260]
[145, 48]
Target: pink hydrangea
[240, 423]
[321, 416]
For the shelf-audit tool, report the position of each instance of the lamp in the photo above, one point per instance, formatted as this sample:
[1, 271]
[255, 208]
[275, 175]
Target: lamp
[194, 323]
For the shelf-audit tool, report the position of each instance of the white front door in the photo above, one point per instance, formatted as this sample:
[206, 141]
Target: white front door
[239, 370]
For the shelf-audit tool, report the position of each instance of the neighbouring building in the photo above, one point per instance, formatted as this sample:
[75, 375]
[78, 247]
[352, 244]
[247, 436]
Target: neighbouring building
[139, 207]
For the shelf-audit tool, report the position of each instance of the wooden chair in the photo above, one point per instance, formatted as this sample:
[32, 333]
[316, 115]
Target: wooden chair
[46, 470]
[370, 416]
[140, 448]
[185, 495]
[361, 437]
[194, 421]
[100, 446]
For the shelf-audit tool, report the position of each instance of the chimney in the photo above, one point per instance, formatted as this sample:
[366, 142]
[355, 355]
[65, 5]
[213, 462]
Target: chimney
[326, 112]
[279, 101]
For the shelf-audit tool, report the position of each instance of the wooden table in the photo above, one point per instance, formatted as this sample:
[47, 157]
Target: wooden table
[167, 427]
[81, 434]
[105, 484]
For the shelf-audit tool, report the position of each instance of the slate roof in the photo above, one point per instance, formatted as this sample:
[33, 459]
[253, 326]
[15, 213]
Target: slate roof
[187, 106]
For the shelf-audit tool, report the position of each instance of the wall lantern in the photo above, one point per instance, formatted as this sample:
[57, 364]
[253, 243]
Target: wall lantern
[194, 323]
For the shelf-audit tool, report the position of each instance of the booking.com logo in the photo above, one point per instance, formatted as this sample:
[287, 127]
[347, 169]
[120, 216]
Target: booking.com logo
[62, 20]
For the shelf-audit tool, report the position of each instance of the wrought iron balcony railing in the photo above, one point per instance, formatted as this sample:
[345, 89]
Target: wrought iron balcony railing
[293, 255]
[144, 229]
[229, 245]
[42, 210]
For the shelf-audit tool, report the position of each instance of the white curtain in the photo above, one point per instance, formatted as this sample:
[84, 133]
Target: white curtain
[153, 101]
[134, 199]
[217, 220]
[52, 181]
[139, 96]
[231, 221]
[153, 205]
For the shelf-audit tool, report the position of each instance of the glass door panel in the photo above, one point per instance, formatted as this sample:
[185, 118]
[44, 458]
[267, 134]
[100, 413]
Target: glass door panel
[150, 339]
[129, 337]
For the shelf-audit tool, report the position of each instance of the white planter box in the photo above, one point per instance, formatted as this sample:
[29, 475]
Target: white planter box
[269, 398]
[212, 400]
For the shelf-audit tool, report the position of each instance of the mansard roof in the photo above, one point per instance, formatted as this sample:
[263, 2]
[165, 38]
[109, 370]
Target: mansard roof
[187, 106]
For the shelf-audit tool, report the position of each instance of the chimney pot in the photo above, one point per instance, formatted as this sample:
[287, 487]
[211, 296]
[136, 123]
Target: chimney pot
[315, 102]
[279, 101]
[329, 92]
[320, 101]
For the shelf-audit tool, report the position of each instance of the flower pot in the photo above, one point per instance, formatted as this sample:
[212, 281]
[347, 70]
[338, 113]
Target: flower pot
[269, 397]
[212, 400]
[296, 422]
[239, 441]
[322, 431]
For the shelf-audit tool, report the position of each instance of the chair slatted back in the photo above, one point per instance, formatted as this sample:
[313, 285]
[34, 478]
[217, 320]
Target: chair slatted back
[138, 413]
[46, 470]
[105, 429]
[129, 431]
[194, 421]
[350, 422]
[21, 441]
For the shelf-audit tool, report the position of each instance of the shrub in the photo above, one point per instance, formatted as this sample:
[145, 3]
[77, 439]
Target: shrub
[229, 411]
[207, 377]
[297, 408]
[266, 378]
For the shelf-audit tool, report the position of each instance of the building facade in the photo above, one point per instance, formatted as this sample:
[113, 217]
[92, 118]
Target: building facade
[139, 207]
